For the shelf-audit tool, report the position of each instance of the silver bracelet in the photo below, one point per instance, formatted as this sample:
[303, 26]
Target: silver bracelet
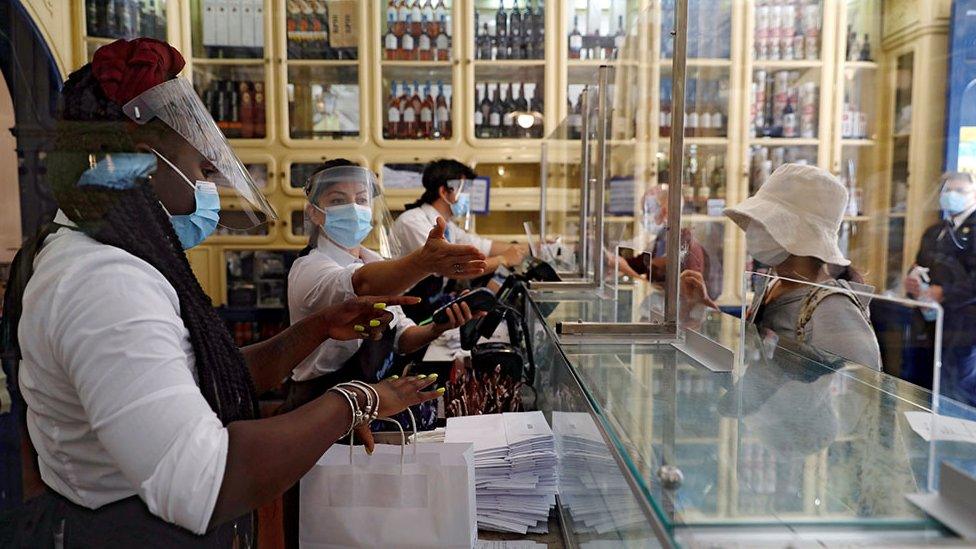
[356, 413]
[351, 386]
[367, 388]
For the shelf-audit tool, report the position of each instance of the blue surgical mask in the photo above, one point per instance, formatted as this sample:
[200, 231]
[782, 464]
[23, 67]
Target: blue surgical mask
[462, 206]
[347, 225]
[194, 228]
[954, 202]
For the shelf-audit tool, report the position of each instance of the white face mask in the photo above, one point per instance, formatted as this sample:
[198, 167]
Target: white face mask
[762, 247]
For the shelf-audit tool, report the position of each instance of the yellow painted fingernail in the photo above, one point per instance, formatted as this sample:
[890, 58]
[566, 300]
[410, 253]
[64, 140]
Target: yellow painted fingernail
[358, 328]
[433, 377]
[394, 377]
[379, 305]
[421, 376]
[369, 452]
[374, 323]
[441, 391]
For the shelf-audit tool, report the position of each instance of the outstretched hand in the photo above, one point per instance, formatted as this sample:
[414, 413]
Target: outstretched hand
[362, 317]
[441, 257]
[396, 395]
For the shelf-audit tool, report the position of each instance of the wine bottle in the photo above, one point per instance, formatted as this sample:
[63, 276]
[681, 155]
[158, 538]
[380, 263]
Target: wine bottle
[501, 20]
[485, 108]
[575, 40]
[479, 117]
[408, 123]
[789, 119]
[442, 115]
[247, 112]
[416, 103]
[260, 121]
[416, 17]
[427, 113]
[442, 43]
[407, 52]
[866, 49]
[392, 129]
[496, 113]
[620, 38]
[508, 105]
[425, 50]
[391, 44]
[427, 11]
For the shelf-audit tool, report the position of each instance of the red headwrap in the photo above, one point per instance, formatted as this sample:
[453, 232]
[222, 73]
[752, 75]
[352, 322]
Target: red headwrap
[127, 68]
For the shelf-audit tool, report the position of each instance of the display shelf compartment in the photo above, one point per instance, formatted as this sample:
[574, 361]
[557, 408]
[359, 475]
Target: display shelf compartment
[666, 64]
[512, 63]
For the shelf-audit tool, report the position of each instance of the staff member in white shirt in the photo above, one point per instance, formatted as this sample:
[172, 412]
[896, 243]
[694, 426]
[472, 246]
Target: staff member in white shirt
[445, 196]
[142, 411]
[344, 209]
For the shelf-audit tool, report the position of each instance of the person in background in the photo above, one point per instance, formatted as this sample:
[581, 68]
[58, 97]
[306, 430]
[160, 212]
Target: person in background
[445, 197]
[945, 272]
[335, 267]
[654, 221]
[142, 414]
[791, 224]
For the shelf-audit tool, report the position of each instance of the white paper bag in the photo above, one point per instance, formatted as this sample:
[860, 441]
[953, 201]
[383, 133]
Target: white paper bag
[425, 500]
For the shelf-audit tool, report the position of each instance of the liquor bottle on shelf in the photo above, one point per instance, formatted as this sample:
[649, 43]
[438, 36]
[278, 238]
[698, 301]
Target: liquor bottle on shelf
[485, 109]
[691, 112]
[246, 111]
[408, 121]
[851, 53]
[575, 40]
[416, 103]
[427, 113]
[665, 116]
[442, 13]
[416, 18]
[790, 124]
[865, 54]
[442, 44]
[427, 12]
[479, 116]
[508, 105]
[575, 117]
[260, 121]
[442, 114]
[496, 113]
[403, 15]
[620, 38]
[484, 49]
[407, 42]
[392, 129]
[501, 20]
[536, 104]
[391, 43]
[425, 50]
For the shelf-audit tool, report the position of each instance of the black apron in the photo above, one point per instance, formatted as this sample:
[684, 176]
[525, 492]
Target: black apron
[52, 521]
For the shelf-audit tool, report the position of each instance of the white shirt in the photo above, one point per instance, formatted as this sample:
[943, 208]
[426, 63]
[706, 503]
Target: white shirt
[113, 407]
[410, 231]
[319, 280]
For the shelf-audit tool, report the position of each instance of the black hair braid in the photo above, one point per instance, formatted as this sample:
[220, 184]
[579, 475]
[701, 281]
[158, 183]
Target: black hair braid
[137, 224]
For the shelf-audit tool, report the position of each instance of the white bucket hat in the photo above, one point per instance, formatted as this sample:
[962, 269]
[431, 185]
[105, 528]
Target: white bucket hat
[802, 208]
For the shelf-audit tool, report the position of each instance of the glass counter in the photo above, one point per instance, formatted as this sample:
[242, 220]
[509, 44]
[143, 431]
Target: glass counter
[789, 445]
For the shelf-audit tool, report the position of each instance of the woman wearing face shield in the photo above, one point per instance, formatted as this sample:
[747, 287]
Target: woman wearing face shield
[791, 225]
[945, 272]
[140, 410]
[342, 199]
[446, 196]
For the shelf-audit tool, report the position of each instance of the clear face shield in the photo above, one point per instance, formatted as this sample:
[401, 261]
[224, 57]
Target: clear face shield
[177, 105]
[347, 207]
[460, 199]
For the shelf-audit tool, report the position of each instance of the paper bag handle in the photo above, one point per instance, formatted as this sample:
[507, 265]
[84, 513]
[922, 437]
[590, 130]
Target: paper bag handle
[403, 437]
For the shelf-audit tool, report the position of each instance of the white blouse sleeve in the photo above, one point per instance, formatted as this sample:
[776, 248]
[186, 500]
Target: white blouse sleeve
[464, 237]
[117, 331]
[411, 230]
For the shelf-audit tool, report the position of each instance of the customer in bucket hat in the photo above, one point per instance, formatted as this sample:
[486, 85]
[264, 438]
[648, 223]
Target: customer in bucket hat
[792, 225]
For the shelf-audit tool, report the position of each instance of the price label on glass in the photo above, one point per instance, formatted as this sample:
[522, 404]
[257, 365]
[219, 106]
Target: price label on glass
[479, 195]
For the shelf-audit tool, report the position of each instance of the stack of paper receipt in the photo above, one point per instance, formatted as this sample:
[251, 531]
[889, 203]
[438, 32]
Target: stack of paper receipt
[514, 469]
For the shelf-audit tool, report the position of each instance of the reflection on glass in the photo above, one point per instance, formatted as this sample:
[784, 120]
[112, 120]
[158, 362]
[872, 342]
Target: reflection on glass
[259, 174]
[709, 29]
[235, 97]
[257, 279]
[706, 103]
[236, 218]
[323, 102]
[704, 178]
[763, 161]
[299, 173]
[402, 176]
[298, 223]
[597, 28]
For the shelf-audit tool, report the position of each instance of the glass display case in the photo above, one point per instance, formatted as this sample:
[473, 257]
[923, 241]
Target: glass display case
[109, 20]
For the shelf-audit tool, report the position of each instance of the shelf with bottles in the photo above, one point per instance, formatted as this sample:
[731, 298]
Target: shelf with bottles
[256, 278]
[109, 20]
[416, 30]
[863, 33]
[763, 160]
[503, 30]
[323, 103]
[508, 104]
[229, 29]
[784, 104]
[787, 30]
[705, 178]
[236, 96]
[858, 105]
[415, 112]
[709, 29]
[597, 29]
[706, 103]
[322, 30]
